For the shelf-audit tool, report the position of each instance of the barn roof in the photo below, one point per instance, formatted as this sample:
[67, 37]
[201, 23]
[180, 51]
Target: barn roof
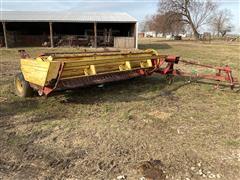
[63, 16]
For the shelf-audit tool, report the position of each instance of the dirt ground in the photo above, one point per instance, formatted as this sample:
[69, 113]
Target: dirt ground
[136, 129]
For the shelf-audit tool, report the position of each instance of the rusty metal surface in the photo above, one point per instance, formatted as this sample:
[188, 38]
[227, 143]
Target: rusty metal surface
[94, 80]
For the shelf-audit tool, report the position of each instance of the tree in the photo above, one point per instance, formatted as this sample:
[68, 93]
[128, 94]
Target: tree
[145, 24]
[221, 23]
[165, 23]
[195, 13]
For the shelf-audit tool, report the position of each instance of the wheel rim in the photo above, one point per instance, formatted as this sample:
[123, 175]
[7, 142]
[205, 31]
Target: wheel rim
[19, 85]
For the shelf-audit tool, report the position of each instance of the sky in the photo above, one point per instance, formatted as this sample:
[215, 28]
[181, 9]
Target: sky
[137, 8]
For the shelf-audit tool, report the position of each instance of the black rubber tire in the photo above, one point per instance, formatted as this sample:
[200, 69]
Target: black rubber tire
[22, 87]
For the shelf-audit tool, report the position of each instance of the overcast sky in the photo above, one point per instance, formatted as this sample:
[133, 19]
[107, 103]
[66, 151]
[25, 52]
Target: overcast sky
[137, 8]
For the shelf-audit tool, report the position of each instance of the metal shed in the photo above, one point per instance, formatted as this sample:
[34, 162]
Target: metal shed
[22, 28]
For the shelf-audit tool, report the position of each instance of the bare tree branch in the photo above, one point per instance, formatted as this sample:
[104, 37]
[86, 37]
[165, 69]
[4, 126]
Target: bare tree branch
[220, 22]
[195, 13]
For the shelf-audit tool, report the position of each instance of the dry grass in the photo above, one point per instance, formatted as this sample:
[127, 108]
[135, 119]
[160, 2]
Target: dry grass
[140, 127]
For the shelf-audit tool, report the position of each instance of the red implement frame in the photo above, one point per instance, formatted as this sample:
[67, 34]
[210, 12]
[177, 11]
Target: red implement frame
[223, 74]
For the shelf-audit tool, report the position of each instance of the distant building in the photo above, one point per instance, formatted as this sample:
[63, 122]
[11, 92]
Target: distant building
[160, 35]
[150, 34]
[39, 28]
[141, 34]
[169, 37]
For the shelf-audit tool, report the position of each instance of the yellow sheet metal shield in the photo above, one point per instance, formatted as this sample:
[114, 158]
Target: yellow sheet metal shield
[42, 70]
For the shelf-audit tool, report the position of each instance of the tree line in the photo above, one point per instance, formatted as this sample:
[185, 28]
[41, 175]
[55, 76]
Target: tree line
[180, 16]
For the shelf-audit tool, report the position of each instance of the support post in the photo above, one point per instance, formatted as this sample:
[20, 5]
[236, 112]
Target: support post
[136, 35]
[5, 34]
[95, 34]
[51, 34]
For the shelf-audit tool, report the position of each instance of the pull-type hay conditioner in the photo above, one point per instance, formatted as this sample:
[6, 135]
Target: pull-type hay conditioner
[60, 71]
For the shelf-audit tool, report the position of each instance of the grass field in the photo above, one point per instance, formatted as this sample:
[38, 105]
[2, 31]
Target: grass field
[141, 127]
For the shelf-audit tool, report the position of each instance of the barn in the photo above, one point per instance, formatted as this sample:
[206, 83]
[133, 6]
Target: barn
[81, 29]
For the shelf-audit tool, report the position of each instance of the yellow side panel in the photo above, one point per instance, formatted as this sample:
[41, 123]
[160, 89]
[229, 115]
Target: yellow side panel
[96, 59]
[53, 71]
[35, 71]
[80, 68]
[76, 71]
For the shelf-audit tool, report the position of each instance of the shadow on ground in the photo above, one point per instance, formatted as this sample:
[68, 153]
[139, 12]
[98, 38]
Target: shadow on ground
[132, 90]
[155, 46]
[60, 105]
[13, 107]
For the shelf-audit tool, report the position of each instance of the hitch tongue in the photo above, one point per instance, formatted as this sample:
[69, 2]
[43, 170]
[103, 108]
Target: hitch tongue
[222, 73]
